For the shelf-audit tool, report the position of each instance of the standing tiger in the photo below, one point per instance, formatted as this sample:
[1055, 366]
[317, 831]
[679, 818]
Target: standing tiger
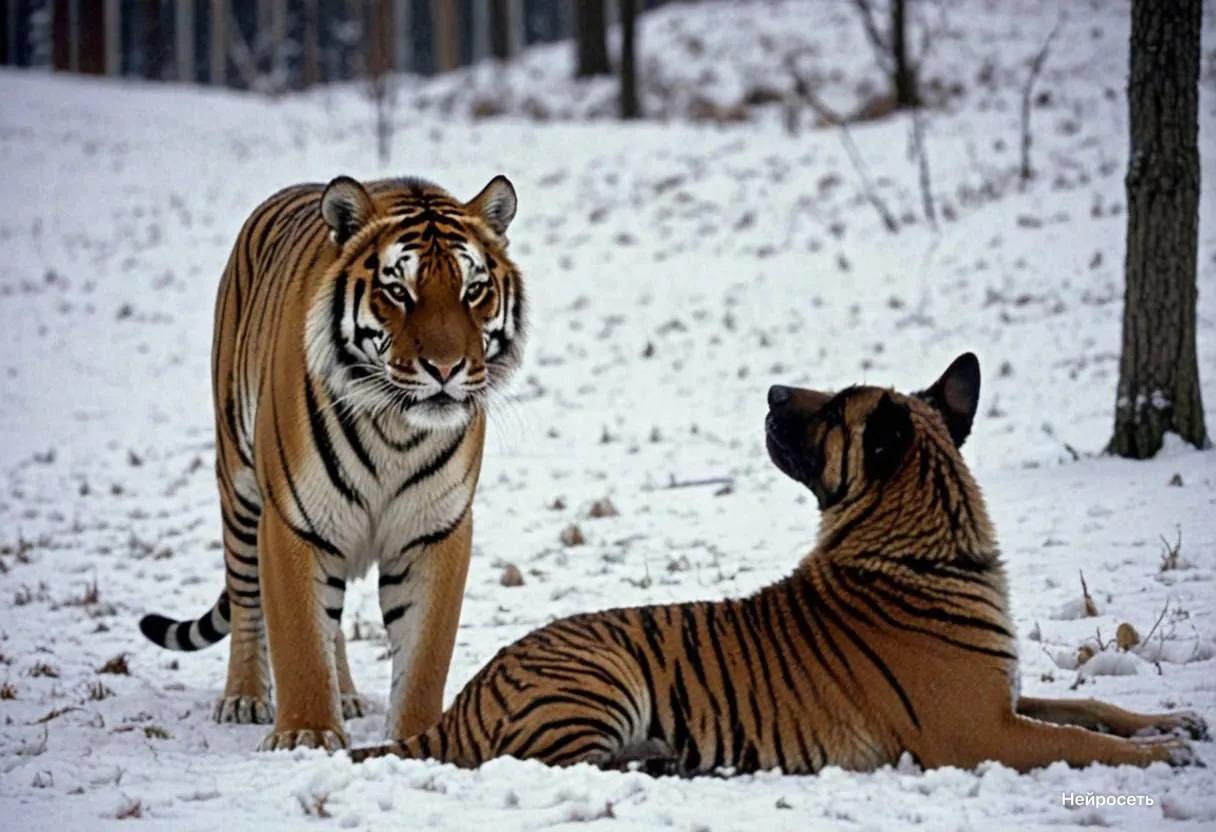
[892, 635]
[358, 333]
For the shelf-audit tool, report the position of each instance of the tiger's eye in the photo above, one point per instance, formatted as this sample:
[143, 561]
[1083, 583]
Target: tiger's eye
[477, 293]
[396, 291]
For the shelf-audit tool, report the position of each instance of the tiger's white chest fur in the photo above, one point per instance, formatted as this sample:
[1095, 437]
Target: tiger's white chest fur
[418, 484]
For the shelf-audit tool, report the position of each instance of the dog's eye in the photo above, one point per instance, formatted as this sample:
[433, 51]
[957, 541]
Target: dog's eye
[396, 291]
[477, 293]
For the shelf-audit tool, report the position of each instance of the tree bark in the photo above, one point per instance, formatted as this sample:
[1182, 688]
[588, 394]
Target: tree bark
[500, 29]
[903, 74]
[276, 24]
[153, 40]
[112, 12]
[310, 44]
[219, 43]
[183, 30]
[403, 36]
[591, 39]
[7, 54]
[630, 107]
[90, 33]
[379, 45]
[480, 25]
[61, 35]
[444, 35]
[1158, 370]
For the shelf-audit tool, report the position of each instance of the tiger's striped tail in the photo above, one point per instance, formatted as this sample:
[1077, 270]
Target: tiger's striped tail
[212, 627]
[426, 746]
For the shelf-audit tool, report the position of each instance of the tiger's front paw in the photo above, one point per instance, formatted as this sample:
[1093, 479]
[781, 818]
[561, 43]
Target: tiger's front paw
[352, 706]
[244, 710]
[1180, 723]
[304, 738]
[1171, 750]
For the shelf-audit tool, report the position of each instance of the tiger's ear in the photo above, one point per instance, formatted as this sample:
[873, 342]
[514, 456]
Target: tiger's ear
[495, 204]
[956, 395]
[887, 437]
[346, 207]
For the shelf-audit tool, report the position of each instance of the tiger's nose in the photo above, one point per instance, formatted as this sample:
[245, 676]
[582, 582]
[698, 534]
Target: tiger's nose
[441, 371]
[778, 395]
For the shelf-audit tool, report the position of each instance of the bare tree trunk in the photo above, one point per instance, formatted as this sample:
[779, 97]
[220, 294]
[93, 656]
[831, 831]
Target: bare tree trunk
[591, 39]
[903, 75]
[219, 42]
[90, 31]
[8, 30]
[277, 48]
[183, 30]
[310, 44]
[12, 26]
[1158, 371]
[61, 36]
[500, 29]
[444, 34]
[6, 52]
[630, 108]
[112, 12]
[481, 32]
[379, 43]
[354, 63]
[152, 40]
[260, 41]
[403, 40]
[517, 26]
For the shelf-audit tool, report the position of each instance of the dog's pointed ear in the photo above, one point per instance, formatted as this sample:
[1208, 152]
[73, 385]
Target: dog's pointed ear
[887, 437]
[956, 395]
[495, 204]
[346, 207]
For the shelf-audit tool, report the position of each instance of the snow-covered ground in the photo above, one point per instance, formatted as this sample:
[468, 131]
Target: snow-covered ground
[675, 271]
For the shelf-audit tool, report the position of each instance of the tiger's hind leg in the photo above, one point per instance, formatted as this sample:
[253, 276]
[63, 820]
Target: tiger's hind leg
[559, 733]
[352, 703]
[570, 716]
[1110, 719]
[247, 693]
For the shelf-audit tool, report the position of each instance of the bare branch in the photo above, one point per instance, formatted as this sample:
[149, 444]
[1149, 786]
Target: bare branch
[674, 483]
[1156, 624]
[881, 45]
[922, 159]
[1036, 67]
[928, 36]
[1091, 609]
[831, 117]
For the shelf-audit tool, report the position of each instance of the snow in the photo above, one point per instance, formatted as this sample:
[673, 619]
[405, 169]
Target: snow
[675, 270]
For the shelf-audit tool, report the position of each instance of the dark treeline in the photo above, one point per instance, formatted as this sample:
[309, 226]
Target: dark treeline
[273, 45]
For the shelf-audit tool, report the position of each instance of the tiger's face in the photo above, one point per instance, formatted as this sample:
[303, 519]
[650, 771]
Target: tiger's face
[426, 315]
[841, 445]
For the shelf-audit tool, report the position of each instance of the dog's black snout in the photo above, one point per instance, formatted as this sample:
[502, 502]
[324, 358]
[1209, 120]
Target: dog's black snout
[778, 395]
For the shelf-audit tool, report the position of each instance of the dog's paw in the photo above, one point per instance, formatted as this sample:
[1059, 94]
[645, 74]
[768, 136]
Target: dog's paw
[303, 738]
[244, 710]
